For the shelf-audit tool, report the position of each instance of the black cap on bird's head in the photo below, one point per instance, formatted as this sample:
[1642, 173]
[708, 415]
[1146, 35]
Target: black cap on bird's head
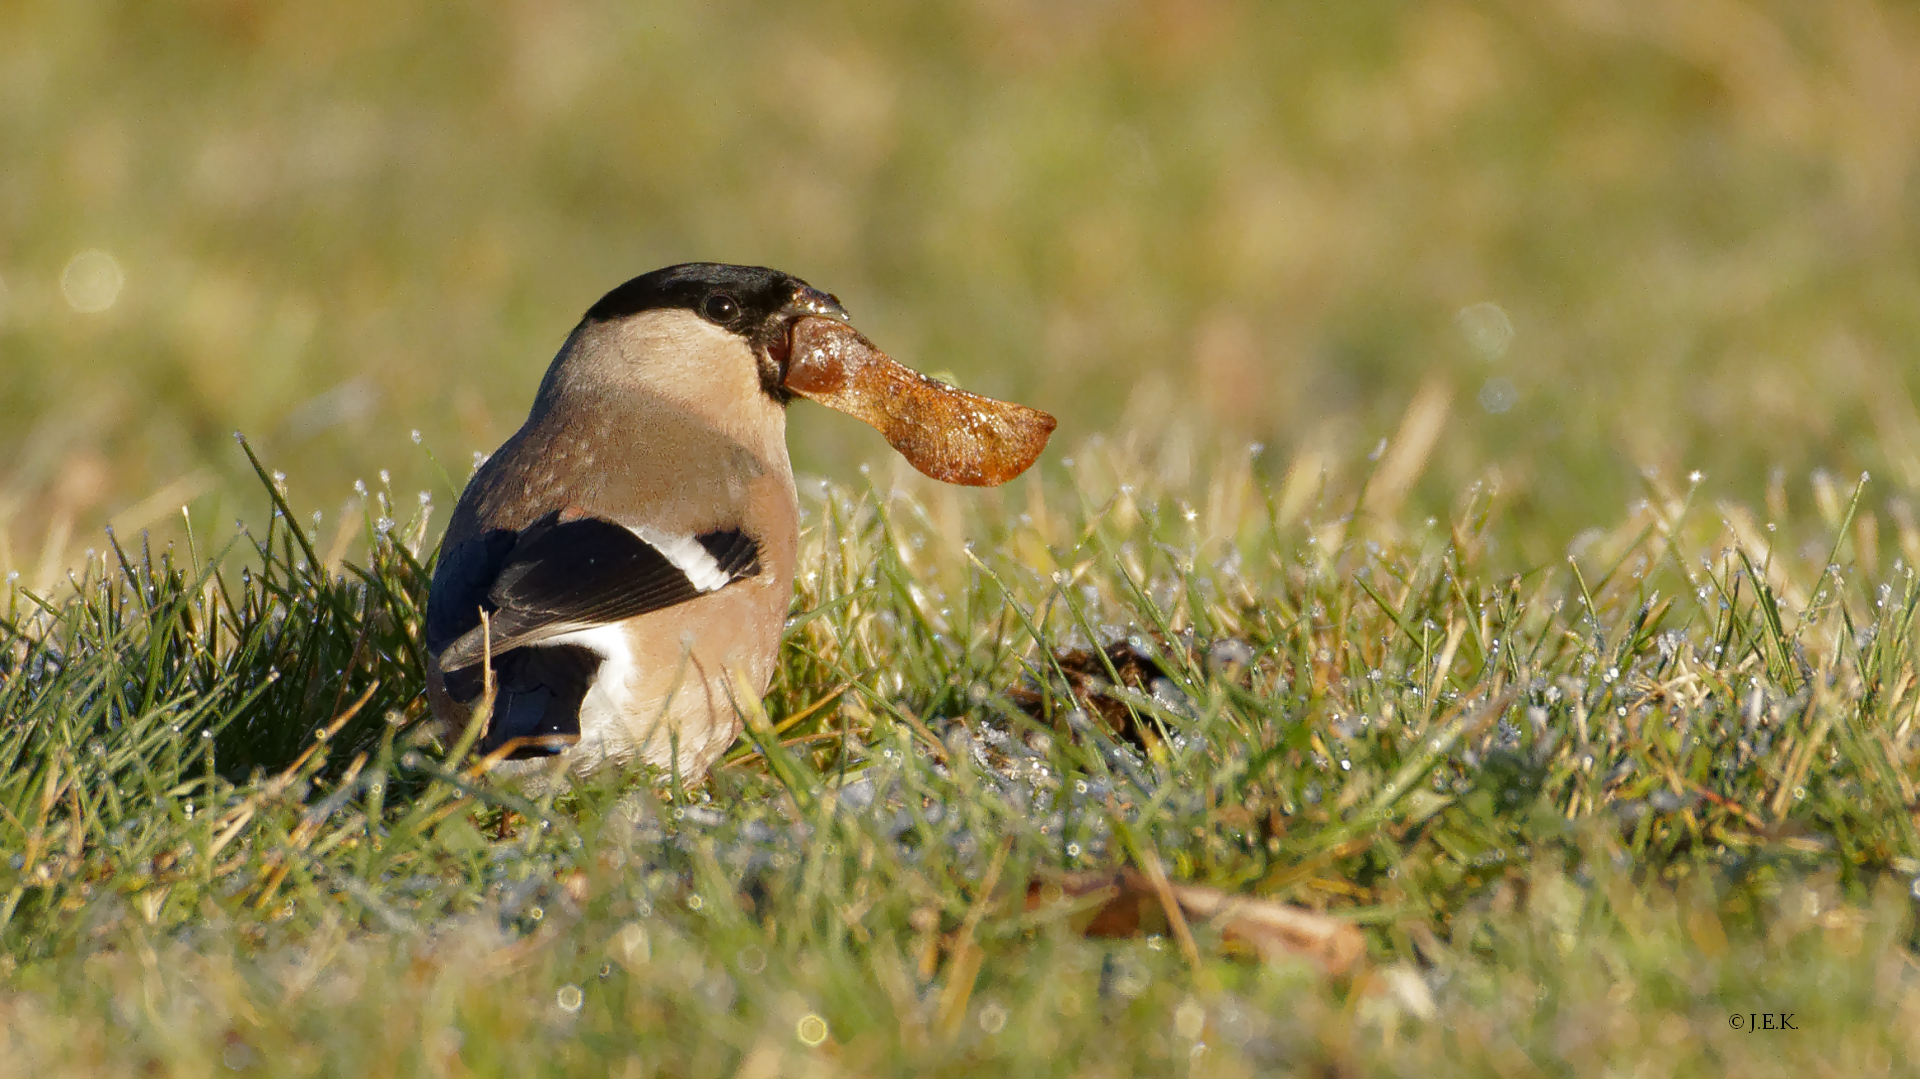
[805, 346]
[758, 303]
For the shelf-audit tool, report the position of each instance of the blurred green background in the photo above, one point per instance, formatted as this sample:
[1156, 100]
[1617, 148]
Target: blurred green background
[1612, 236]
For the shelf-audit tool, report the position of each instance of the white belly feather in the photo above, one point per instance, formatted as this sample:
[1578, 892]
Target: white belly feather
[630, 712]
[607, 714]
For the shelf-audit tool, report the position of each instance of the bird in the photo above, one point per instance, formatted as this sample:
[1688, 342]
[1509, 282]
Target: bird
[618, 573]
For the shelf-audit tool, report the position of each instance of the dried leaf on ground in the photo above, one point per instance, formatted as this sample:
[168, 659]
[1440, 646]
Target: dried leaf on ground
[1126, 904]
[1090, 678]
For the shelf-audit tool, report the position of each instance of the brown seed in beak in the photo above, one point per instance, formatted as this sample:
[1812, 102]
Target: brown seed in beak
[947, 433]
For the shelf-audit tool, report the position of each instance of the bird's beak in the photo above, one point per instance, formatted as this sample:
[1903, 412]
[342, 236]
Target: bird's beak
[945, 432]
[808, 300]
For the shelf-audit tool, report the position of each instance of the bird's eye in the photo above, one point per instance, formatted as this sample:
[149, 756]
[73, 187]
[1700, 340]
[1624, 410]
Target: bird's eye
[720, 307]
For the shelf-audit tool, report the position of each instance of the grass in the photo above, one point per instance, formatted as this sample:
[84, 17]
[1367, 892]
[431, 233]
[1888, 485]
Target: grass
[1582, 812]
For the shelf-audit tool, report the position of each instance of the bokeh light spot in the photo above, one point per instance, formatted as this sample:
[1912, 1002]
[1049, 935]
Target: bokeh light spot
[92, 281]
[1190, 1019]
[1498, 395]
[1487, 329]
[811, 1030]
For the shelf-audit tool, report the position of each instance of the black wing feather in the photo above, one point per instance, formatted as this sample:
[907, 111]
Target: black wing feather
[555, 573]
[589, 570]
[460, 583]
[734, 550]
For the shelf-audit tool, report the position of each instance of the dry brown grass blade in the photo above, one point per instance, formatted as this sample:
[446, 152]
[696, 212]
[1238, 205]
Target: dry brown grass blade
[1175, 908]
[947, 433]
[303, 836]
[321, 738]
[1406, 456]
[235, 820]
[967, 956]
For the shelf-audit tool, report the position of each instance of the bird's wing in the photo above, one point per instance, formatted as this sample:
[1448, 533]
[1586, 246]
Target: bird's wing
[559, 575]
